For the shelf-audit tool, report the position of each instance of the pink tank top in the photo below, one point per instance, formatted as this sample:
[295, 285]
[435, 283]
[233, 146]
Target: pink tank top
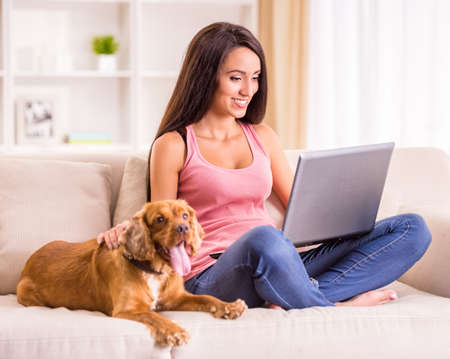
[228, 202]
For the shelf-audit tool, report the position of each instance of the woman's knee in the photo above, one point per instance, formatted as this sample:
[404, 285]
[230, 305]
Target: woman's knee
[420, 237]
[267, 242]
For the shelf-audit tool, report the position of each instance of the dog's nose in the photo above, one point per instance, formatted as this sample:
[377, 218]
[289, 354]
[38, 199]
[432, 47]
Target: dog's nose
[182, 228]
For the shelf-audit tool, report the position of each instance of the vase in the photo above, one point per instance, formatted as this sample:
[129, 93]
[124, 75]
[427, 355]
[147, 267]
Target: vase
[106, 63]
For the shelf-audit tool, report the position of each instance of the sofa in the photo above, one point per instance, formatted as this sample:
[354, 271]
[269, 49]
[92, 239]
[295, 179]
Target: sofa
[73, 196]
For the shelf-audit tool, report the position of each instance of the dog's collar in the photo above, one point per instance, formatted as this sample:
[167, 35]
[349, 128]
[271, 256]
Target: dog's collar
[142, 265]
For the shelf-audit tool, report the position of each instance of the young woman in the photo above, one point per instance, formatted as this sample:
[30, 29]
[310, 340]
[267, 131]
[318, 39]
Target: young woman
[212, 150]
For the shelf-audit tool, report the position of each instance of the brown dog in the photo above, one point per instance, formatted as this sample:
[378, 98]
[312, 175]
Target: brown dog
[132, 282]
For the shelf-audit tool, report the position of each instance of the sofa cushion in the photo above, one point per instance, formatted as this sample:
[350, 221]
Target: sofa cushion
[46, 200]
[115, 158]
[414, 326]
[133, 192]
[39, 332]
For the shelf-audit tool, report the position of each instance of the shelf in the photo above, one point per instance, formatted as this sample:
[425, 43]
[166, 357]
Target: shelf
[65, 4]
[160, 74]
[88, 1]
[201, 2]
[67, 148]
[75, 74]
[159, 2]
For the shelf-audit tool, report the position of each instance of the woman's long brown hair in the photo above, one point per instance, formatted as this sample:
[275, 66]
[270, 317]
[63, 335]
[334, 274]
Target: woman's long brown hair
[197, 80]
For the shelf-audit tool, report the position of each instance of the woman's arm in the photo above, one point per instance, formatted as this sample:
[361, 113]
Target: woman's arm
[166, 162]
[283, 176]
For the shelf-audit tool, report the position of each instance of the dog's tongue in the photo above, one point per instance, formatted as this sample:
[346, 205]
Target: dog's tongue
[180, 260]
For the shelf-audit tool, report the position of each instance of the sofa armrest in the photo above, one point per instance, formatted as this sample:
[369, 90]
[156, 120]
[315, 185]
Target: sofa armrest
[432, 271]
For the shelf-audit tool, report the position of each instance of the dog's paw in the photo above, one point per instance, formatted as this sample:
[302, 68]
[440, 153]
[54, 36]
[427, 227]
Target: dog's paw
[171, 335]
[230, 310]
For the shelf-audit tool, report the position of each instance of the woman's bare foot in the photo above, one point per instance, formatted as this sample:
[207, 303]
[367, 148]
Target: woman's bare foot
[373, 297]
[271, 306]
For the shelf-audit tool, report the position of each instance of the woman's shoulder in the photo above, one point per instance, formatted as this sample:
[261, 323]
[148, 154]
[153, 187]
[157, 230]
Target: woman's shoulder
[170, 140]
[171, 146]
[267, 136]
[262, 129]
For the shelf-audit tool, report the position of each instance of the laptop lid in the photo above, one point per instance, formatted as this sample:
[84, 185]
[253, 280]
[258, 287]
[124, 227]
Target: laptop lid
[336, 193]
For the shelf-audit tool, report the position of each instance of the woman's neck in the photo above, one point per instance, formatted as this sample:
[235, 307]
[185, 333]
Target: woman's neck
[220, 129]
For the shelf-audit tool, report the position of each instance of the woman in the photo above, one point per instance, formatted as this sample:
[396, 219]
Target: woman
[212, 150]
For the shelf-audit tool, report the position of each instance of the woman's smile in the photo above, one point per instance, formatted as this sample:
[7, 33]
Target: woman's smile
[241, 103]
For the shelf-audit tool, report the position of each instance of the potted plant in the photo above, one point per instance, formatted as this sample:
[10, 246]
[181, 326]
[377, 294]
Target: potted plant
[105, 47]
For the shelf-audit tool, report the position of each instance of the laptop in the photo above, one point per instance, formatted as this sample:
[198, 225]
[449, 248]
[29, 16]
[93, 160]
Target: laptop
[336, 193]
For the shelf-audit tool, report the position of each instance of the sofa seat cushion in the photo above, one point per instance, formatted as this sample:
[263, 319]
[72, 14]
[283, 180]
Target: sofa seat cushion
[40, 332]
[415, 326]
[47, 200]
[412, 327]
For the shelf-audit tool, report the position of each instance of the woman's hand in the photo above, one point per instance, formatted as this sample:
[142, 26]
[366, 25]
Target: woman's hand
[111, 237]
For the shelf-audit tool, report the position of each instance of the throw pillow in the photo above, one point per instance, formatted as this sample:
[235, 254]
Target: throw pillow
[133, 192]
[47, 200]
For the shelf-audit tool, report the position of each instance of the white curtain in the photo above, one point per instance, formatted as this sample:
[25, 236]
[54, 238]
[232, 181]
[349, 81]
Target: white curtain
[379, 70]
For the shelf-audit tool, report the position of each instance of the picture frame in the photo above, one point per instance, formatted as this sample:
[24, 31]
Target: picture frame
[40, 116]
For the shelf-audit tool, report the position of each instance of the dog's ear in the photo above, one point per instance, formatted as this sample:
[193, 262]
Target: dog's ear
[136, 239]
[198, 233]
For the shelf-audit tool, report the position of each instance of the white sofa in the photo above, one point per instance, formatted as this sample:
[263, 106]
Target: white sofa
[71, 196]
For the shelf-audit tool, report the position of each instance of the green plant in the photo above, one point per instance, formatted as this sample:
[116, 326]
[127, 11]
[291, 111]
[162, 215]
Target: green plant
[104, 45]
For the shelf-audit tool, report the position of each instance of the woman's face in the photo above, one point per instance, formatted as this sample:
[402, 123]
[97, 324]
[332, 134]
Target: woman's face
[238, 81]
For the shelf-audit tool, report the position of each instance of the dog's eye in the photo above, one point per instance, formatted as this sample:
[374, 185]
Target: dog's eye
[185, 216]
[160, 219]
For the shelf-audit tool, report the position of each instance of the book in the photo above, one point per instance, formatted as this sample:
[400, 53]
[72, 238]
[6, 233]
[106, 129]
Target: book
[88, 138]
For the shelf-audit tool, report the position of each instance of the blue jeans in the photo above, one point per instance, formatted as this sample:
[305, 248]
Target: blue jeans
[263, 265]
